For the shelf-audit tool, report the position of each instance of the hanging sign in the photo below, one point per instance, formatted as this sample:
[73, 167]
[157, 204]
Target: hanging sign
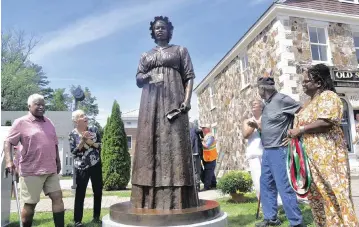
[346, 78]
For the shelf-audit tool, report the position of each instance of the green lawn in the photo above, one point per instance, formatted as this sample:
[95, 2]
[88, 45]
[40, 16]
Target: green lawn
[89, 193]
[242, 214]
[65, 177]
[44, 219]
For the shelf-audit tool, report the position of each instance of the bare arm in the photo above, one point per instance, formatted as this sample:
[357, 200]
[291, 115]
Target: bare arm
[246, 129]
[92, 143]
[8, 156]
[188, 94]
[356, 140]
[73, 148]
[318, 126]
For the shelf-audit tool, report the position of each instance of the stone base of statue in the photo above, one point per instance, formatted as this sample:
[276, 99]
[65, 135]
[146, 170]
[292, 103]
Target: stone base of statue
[207, 214]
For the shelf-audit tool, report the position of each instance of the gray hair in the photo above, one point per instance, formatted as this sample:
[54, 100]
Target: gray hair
[33, 98]
[257, 100]
[267, 87]
[76, 114]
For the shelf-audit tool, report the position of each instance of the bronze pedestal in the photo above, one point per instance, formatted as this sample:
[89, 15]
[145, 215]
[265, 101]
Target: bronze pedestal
[123, 213]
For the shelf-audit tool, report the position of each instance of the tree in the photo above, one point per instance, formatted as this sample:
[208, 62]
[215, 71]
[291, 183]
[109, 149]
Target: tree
[99, 127]
[19, 76]
[88, 105]
[58, 100]
[116, 160]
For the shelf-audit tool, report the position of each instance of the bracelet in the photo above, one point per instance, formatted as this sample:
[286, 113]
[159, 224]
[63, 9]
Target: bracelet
[302, 129]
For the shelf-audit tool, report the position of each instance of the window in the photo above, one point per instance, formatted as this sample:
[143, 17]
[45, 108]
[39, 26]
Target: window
[211, 97]
[214, 131]
[244, 67]
[67, 161]
[318, 43]
[70, 161]
[356, 44]
[129, 142]
[128, 122]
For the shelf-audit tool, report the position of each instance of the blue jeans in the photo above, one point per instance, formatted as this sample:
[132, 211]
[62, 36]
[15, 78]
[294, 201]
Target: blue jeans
[274, 179]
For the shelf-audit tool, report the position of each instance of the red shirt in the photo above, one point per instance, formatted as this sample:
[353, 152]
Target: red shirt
[38, 139]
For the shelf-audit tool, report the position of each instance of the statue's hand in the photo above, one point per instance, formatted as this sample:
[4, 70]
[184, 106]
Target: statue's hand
[143, 79]
[185, 106]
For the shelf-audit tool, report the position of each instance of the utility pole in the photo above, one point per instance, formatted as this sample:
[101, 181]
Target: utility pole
[79, 96]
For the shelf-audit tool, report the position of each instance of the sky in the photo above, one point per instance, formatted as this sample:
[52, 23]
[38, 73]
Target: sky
[97, 44]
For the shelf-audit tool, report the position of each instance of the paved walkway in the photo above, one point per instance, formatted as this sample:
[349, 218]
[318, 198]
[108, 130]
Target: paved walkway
[107, 201]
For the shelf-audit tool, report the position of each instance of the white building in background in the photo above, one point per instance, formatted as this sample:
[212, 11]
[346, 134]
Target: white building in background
[63, 126]
[130, 120]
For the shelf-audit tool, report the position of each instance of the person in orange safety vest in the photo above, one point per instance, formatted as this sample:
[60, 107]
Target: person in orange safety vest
[209, 158]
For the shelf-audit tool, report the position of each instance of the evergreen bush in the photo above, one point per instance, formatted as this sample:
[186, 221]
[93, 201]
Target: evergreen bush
[116, 160]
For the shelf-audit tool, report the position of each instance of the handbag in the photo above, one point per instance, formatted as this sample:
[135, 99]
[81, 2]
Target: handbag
[298, 171]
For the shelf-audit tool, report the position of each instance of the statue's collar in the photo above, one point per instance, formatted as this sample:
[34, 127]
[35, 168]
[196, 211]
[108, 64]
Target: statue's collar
[158, 48]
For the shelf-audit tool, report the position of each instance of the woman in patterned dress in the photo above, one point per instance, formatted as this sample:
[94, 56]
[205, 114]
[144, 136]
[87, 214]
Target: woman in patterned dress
[162, 173]
[319, 125]
[85, 145]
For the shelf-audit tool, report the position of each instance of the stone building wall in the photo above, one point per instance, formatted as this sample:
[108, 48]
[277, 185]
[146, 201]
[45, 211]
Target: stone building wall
[232, 104]
[283, 48]
[341, 46]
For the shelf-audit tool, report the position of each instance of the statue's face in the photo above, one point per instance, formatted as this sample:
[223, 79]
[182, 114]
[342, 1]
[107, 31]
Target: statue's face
[161, 30]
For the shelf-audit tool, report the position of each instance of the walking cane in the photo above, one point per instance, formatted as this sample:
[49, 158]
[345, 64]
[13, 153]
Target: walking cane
[194, 183]
[259, 196]
[14, 183]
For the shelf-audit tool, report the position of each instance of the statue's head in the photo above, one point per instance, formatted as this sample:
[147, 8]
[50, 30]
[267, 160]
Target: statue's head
[161, 29]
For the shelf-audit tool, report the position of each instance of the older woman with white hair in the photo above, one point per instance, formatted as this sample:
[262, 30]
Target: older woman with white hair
[85, 145]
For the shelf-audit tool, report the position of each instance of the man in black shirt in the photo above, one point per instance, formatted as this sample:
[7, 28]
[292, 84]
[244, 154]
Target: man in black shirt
[277, 118]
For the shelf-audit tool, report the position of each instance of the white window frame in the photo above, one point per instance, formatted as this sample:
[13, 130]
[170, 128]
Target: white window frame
[130, 147]
[243, 71]
[353, 2]
[211, 97]
[214, 129]
[324, 25]
[356, 34]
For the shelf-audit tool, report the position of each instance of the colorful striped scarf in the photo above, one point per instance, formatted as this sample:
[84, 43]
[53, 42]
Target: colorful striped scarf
[298, 171]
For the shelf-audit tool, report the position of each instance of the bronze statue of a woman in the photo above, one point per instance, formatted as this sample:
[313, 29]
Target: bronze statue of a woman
[162, 176]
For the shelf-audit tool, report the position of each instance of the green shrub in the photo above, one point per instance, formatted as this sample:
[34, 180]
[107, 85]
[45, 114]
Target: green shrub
[8, 123]
[116, 160]
[235, 182]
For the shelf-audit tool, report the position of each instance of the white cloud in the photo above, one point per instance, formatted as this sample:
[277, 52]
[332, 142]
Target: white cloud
[96, 27]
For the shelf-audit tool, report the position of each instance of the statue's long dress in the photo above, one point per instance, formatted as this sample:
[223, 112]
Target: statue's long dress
[162, 175]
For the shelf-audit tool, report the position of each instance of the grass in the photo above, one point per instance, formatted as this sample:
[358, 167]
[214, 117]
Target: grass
[244, 214]
[44, 219]
[65, 177]
[89, 193]
[238, 214]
